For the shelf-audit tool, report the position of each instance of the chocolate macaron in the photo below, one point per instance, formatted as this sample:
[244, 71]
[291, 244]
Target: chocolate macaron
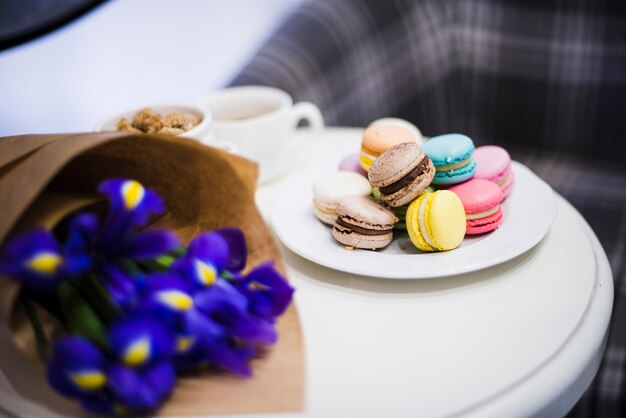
[401, 174]
[363, 223]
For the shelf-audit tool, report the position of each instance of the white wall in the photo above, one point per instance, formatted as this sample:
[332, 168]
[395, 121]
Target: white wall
[129, 53]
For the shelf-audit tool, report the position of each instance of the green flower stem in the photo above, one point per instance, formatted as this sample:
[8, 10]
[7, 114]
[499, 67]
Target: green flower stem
[79, 316]
[93, 291]
[129, 266]
[178, 252]
[159, 264]
[43, 345]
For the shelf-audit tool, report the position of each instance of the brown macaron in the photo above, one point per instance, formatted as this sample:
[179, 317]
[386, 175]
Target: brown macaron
[401, 174]
[363, 223]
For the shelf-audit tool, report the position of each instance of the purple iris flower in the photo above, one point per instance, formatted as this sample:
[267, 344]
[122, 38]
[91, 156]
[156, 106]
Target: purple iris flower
[135, 374]
[35, 259]
[107, 248]
[143, 374]
[131, 206]
[211, 255]
[211, 323]
[267, 291]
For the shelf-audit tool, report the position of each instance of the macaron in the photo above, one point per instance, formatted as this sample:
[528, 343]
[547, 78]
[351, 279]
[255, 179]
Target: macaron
[363, 223]
[401, 173]
[452, 156]
[481, 199]
[352, 163]
[327, 190]
[378, 139]
[419, 138]
[494, 163]
[436, 221]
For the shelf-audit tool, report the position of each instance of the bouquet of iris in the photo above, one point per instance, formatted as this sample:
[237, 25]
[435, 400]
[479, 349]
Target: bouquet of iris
[138, 308]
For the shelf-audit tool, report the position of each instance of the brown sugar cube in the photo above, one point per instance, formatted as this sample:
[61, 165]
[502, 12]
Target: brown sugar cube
[172, 120]
[125, 126]
[171, 131]
[147, 121]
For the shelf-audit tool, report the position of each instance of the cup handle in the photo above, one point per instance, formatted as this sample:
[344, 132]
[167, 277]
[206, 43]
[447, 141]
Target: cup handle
[309, 112]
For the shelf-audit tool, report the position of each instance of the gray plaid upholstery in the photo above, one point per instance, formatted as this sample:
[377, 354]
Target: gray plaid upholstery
[545, 79]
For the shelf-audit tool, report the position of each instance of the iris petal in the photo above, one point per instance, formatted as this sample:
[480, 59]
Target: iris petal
[141, 340]
[203, 326]
[149, 244]
[237, 248]
[45, 263]
[89, 379]
[138, 352]
[206, 273]
[33, 258]
[184, 343]
[141, 389]
[121, 285]
[132, 194]
[175, 299]
[216, 297]
[58, 379]
[76, 366]
[161, 378]
[131, 389]
[268, 291]
[78, 352]
[82, 233]
[228, 357]
[209, 247]
[131, 201]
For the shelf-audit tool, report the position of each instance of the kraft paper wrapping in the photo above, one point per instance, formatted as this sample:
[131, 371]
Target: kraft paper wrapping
[45, 177]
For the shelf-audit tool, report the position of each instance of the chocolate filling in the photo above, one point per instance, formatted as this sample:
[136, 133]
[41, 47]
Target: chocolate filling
[359, 229]
[406, 180]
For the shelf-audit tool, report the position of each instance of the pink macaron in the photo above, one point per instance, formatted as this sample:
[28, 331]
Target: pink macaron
[481, 199]
[494, 163]
[351, 163]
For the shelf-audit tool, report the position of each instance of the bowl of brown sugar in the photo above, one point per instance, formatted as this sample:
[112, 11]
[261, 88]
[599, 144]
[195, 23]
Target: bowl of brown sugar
[178, 120]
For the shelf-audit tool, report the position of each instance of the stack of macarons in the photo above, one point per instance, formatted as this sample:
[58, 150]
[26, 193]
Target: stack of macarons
[438, 190]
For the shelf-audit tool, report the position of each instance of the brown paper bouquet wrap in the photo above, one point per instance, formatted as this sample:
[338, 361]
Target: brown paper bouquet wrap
[43, 178]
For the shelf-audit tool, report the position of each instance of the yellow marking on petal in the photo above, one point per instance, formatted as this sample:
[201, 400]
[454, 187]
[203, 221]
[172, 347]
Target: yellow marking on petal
[257, 286]
[176, 299]
[206, 272]
[89, 380]
[184, 343]
[119, 409]
[45, 262]
[138, 352]
[132, 192]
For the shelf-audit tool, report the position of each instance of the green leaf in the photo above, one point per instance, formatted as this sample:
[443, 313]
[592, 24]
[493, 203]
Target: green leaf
[80, 318]
[93, 291]
[165, 261]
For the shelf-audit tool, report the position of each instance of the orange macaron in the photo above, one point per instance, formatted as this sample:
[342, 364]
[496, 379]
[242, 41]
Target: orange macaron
[378, 139]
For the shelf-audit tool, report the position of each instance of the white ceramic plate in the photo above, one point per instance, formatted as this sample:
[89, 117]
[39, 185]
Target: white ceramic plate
[528, 214]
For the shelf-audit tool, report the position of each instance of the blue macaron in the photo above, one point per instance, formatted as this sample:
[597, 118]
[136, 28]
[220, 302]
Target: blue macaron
[452, 156]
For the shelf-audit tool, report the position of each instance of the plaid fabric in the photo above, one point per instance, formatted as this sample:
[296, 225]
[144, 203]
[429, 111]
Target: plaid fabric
[547, 79]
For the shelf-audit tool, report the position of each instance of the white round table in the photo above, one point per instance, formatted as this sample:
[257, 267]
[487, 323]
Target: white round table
[519, 339]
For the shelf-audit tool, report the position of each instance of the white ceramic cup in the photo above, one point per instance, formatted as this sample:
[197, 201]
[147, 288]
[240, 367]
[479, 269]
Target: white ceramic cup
[260, 122]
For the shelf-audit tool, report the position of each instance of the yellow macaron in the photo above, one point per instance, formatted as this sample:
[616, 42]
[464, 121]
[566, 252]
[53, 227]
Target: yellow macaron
[436, 221]
[378, 139]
